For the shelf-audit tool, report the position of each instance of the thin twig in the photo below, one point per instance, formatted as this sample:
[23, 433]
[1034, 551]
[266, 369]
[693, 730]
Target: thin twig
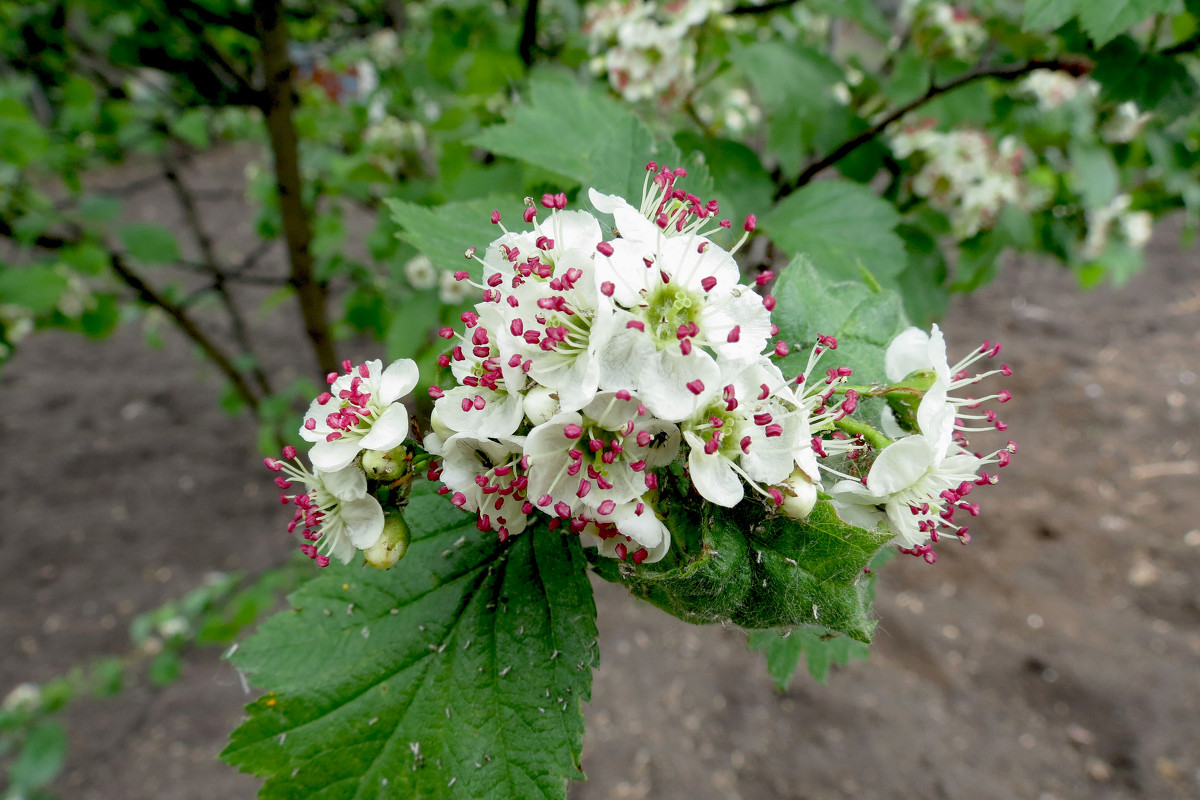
[763, 8]
[1073, 65]
[212, 266]
[528, 33]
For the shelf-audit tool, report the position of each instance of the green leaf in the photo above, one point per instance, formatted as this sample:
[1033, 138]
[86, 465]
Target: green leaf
[865, 12]
[756, 569]
[412, 324]
[742, 185]
[99, 208]
[460, 673]
[863, 321]
[41, 757]
[582, 134]
[1095, 173]
[192, 127]
[1046, 15]
[150, 244]
[820, 649]
[165, 668]
[444, 233]
[37, 287]
[842, 228]
[1104, 20]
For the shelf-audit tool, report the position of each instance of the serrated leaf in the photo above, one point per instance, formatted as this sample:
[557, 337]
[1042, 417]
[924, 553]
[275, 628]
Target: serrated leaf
[150, 244]
[460, 673]
[580, 133]
[444, 233]
[37, 287]
[863, 321]
[820, 649]
[1103, 21]
[41, 757]
[757, 569]
[842, 228]
[1046, 15]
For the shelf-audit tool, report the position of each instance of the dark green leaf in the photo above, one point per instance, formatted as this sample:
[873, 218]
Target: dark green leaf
[1046, 15]
[444, 233]
[1104, 20]
[37, 287]
[841, 228]
[460, 673]
[820, 649]
[192, 127]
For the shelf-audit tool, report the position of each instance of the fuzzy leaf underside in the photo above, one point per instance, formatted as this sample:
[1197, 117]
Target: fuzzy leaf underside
[757, 570]
[819, 648]
[460, 673]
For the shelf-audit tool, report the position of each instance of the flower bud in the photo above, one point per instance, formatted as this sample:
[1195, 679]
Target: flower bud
[540, 404]
[385, 466]
[799, 495]
[391, 545]
[903, 397]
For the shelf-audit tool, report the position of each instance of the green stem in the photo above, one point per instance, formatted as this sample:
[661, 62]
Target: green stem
[860, 428]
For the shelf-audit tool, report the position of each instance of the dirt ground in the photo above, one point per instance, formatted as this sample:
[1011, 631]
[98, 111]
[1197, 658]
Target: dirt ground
[1058, 656]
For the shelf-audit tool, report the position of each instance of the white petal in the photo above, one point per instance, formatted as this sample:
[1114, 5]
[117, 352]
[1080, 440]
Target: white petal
[398, 379]
[664, 378]
[332, 456]
[858, 515]
[712, 475]
[908, 353]
[348, 483]
[621, 359]
[899, 466]
[340, 546]
[904, 524]
[388, 430]
[364, 521]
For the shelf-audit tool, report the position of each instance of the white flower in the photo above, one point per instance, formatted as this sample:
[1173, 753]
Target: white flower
[361, 411]
[487, 476]
[452, 292]
[1054, 88]
[1126, 123]
[421, 273]
[25, 697]
[334, 509]
[488, 401]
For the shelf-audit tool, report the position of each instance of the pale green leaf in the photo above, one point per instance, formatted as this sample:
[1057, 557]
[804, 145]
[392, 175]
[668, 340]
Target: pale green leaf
[444, 233]
[1103, 20]
[150, 244]
[1046, 15]
[819, 648]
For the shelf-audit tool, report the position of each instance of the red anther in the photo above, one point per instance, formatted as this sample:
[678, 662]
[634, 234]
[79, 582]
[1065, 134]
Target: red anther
[682, 332]
[606, 508]
[700, 248]
[529, 214]
[662, 221]
[347, 365]
[762, 419]
[322, 561]
[765, 393]
[1003, 458]
[562, 509]
[725, 224]
[1004, 396]
[490, 296]
[607, 288]
[482, 351]
[544, 243]
[640, 555]
[708, 283]
[712, 445]
[512, 301]
[1001, 425]
[602, 483]
[930, 557]
[635, 324]
[735, 333]
[272, 464]
[479, 403]
[651, 166]
[774, 429]
[764, 277]
[828, 341]
[331, 377]
[1011, 446]
[466, 404]
[595, 445]
[776, 495]
[751, 223]
[495, 217]
[310, 424]
[548, 200]
[696, 387]
[685, 347]
[643, 438]
[484, 524]
[637, 466]
[818, 447]
[289, 452]
[572, 431]
[333, 437]
[585, 486]
[769, 302]
[623, 394]
[665, 277]
[651, 480]
[446, 332]
[745, 444]
[480, 335]
[459, 499]
[1005, 370]
[605, 249]
[560, 201]
[436, 392]
[621, 551]
[545, 500]
[781, 348]
[995, 351]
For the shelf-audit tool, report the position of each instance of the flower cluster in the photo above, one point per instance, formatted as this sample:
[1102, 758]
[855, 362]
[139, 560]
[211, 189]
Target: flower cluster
[920, 481]
[966, 176]
[1134, 227]
[940, 29]
[355, 428]
[1054, 88]
[647, 50]
[595, 360]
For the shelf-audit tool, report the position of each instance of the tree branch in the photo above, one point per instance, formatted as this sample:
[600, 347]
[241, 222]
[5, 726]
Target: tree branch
[148, 295]
[528, 33]
[212, 266]
[1076, 65]
[762, 8]
[279, 104]
[1189, 45]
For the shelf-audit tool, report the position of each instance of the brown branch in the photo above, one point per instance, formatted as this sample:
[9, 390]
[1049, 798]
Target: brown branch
[148, 295]
[1189, 45]
[528, 33]
[1075, 65]
[763, 8]
[212, 266]
[279, 104]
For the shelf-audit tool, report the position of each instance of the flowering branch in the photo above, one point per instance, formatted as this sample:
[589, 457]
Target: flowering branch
[1075, 65]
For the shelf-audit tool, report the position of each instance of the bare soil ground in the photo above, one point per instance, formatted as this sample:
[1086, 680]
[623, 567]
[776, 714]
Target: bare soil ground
[1058, 656]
